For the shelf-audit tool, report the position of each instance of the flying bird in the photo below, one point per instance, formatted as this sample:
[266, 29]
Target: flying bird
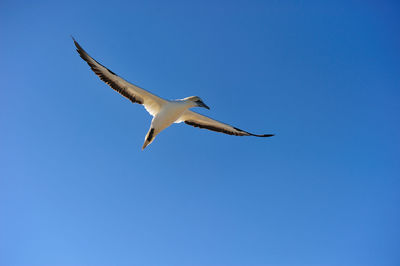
[164, 112]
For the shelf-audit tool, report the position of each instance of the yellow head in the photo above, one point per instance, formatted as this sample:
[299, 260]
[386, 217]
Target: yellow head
[197, 101]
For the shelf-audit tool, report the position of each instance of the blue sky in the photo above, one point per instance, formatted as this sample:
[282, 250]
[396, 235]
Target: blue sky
[76, 189]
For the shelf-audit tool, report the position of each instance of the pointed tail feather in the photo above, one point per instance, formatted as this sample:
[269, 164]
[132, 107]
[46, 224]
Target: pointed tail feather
[149, 138]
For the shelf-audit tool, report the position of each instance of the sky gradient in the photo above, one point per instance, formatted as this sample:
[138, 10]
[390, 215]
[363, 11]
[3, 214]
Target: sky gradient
[76, 188]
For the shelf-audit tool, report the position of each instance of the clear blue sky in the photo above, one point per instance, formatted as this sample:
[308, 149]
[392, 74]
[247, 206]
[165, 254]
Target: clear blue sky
[324, 76]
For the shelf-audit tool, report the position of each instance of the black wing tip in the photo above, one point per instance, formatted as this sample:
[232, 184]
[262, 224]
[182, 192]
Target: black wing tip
[260, 136]
[75, 42]
[85, 56]
[264, 135]
[255, 135]
[79, 49]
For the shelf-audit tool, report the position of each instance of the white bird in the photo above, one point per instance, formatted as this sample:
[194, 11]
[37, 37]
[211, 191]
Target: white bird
[164, 112]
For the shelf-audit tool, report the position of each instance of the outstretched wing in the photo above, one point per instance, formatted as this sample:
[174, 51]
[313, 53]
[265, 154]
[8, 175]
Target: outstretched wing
[151, 102]
[197, 120]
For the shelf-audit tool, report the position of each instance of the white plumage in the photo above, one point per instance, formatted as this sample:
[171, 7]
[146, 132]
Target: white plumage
[164, 112]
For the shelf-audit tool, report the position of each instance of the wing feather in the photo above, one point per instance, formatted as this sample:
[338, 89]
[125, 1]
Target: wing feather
[197, 120]
[135, 94]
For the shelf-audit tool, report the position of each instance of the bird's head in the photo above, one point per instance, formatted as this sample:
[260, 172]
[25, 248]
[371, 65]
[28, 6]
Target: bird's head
[197, 101]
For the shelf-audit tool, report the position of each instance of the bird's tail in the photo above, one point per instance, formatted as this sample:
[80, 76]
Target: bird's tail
[149, 138]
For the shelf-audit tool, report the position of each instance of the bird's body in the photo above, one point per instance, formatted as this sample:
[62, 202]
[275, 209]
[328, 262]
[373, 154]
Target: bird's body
[164, 112]
[170, 113]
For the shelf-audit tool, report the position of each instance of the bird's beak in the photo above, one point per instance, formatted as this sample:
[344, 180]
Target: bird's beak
[201, 104]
